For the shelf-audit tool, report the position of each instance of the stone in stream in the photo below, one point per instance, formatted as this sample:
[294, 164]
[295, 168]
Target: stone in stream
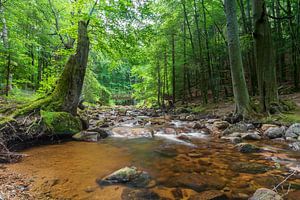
[190, 118]
[295, 146]
[274, 132]
[251, 136]
[247, 148]
[293, 131]
[221, 124]
[249, 167]
[240, 128]
[265, 194]
[90, 136]
[143, 194]
[196, 182]
[265, 127]
[210, 195]
[130, 176]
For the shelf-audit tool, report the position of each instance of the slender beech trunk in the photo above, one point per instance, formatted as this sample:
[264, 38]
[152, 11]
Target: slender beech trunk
[188, 72]
[5, 40]
[158, 83]
[173, 71]
[208, 56]
[203, 77]
[184, 63]
[240, 90]
[264, 53]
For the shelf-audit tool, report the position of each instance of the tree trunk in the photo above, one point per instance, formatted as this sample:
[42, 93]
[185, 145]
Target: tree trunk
[158, 84]
[65, 97]
[70, 84]
[264, 54]
[240, 90]
[5, 40]
[173, 71]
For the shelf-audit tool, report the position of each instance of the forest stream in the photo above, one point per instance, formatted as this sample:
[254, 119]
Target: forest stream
[183, 163]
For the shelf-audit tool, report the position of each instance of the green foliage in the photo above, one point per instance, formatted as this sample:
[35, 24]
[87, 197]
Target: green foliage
[61, 122]
[21, 96]
[93, 91]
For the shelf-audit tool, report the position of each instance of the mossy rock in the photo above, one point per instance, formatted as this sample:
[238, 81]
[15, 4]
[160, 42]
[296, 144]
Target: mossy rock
[61, 122]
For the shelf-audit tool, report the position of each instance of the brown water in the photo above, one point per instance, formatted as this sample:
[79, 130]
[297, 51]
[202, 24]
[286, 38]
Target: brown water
[70, 170]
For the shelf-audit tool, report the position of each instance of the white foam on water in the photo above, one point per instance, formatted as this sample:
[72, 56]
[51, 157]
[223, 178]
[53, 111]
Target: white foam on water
[199, 135]
[173, 138]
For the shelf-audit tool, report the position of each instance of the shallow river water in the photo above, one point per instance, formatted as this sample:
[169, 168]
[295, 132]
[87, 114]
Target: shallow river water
[179, 169]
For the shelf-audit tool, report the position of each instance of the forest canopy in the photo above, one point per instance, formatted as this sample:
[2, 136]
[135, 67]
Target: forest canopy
[152, 52]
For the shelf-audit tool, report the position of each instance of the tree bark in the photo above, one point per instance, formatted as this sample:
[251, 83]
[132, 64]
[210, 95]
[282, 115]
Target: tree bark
[70, 84]
[5, 39]
[264, 54]
[173, 71]
[240, 90]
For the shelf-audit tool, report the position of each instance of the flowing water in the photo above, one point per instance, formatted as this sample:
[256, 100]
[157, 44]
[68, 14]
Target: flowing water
[180, 168]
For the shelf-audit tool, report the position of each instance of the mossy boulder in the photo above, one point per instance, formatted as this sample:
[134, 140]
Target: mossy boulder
[61, 122]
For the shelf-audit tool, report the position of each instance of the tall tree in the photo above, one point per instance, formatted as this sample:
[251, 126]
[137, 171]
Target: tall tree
[240, 90]
[7, 49]
[264, 54]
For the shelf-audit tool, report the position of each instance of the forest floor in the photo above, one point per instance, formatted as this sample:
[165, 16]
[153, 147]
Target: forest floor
[129, 122]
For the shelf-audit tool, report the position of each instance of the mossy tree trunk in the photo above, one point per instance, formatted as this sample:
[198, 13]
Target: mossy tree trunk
[65, 97]
[69, 87]
[240, 90]
[265, 56]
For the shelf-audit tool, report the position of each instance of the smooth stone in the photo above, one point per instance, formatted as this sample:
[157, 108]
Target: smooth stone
[197, 125]
[265, 127]
[250, 168]
[251, 136]
[293, 131]
[265, 194]
[190, 118]
[128, 175]
[275, 132]
[295, 146]
[210, 195]
[221, 124]
[247, 148]
[240, 128]
[143, 194]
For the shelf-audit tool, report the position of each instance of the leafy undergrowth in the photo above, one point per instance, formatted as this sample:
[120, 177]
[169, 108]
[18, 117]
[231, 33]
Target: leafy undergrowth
[21, 96]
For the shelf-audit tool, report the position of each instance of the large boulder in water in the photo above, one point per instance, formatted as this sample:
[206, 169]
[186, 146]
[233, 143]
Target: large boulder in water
[265, 194]
[275, 132]
[130, 176]
[293, 131]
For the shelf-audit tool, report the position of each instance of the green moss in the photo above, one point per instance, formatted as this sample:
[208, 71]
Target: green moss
[198, 109]
[4, 120]
[61, 122]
